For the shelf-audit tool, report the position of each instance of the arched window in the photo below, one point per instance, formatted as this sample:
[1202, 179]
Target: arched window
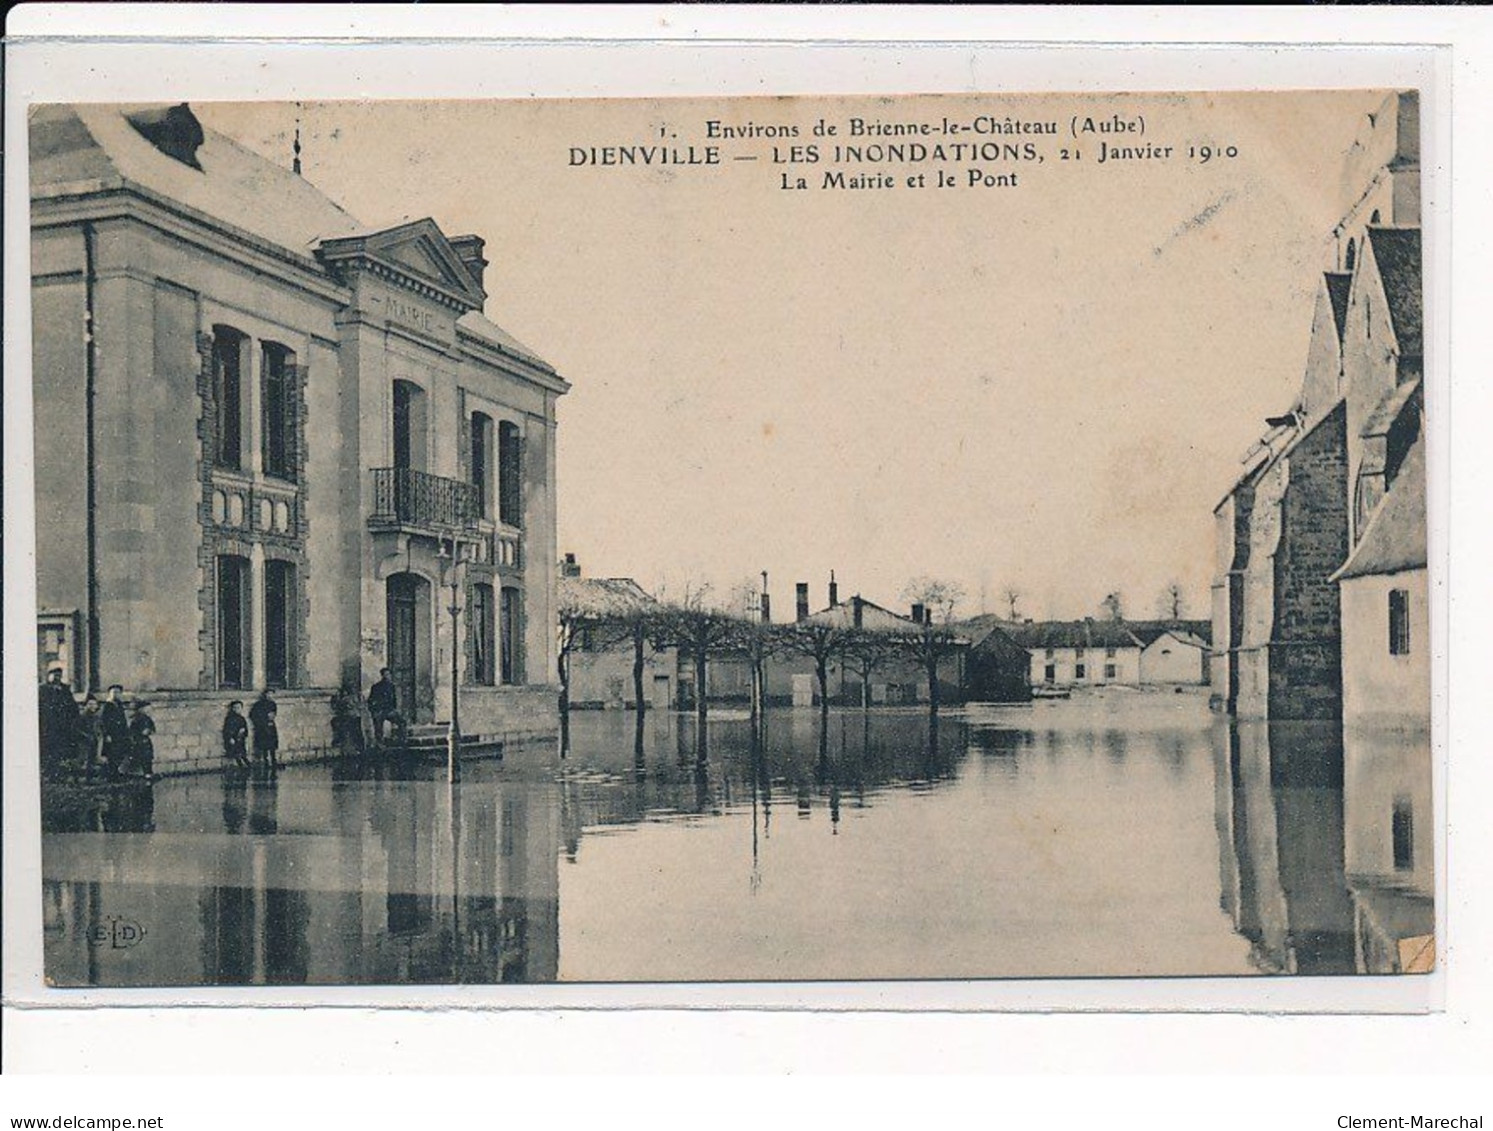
[1374, 219]
[233, 636]
[481, 461]
[1352, 257]
[510, 474]
[228, 397]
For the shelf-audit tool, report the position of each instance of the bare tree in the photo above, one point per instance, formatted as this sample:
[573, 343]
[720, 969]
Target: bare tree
[1113, 606]
[865, 652]
[929, 641]
[821, 642]
[1011, 597]
[1172, 603]
[698, 629]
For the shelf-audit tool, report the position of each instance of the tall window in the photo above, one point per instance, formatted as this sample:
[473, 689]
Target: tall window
[279, 623]
[277, 367]
[510, 650]
[228, 396]
[510, 472]
[481, 461]
[483, 636]
[1110, 671]
[1080, 671]
[233, 621]
[1399, 622]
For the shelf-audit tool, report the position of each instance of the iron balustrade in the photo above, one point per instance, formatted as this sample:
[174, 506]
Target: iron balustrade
[405, 497]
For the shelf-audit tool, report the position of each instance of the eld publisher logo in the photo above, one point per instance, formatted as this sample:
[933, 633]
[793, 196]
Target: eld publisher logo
[117, 933]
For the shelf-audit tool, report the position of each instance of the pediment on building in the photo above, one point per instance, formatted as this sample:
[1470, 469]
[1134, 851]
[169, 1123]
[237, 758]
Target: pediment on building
[417, 254]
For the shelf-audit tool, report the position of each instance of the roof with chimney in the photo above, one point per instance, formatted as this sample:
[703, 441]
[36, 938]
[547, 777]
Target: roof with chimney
[598, 598]
[86, 148]
[873, 617]
[164, 153]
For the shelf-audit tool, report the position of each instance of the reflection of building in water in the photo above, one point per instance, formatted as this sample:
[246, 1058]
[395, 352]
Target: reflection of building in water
[249, 464]
[1279, 813]
[370, 882]
[1389, 848]
[1285, 645]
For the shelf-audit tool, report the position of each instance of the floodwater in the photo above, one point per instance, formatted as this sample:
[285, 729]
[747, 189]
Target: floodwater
[1120, 834]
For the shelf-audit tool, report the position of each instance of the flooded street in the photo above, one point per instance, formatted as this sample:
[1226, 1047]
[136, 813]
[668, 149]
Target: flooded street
[1120, 834]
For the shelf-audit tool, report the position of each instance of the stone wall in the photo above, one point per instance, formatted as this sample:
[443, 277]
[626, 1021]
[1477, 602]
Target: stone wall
[189, 727]
[1305, 650]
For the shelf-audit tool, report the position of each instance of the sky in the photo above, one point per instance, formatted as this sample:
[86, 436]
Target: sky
[1046, 387]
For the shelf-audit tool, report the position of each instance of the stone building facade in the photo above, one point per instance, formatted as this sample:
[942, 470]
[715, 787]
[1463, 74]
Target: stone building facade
[1316, 476]
[269, 440]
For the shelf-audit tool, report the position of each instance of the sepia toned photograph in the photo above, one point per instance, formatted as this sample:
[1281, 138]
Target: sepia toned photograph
[792, 539]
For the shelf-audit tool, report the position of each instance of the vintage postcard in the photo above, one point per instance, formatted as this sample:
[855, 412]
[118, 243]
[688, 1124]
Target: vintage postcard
[732, 540]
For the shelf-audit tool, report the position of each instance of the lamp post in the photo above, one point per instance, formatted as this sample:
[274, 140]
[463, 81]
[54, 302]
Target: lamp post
[450, 564]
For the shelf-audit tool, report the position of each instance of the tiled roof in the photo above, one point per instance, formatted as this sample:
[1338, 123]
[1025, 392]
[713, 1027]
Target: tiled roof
[1146, 631]
[1074, 634]
[1397, 256]
[1395, 537]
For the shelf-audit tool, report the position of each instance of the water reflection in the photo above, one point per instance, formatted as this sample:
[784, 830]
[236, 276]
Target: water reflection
[1061, 839]
[1310, 827]
[310, 877]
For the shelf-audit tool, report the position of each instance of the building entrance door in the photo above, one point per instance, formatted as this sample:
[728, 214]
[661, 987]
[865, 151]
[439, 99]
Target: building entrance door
[402, 620]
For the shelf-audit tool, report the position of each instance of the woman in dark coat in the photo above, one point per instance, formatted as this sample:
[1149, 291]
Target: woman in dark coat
[266, 735]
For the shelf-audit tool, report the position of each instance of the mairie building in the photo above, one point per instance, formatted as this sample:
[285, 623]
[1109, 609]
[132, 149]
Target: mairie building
[275, 447]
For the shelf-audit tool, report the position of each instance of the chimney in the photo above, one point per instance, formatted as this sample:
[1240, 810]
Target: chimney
[834, 591]
[766, 601]
[469, 250]
[919, 613]
[174, 130]
[801, 595]
[857, 610]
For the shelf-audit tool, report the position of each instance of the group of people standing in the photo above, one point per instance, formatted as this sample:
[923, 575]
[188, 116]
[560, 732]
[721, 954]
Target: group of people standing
[113, 738]
[109, 738]
[261, 722]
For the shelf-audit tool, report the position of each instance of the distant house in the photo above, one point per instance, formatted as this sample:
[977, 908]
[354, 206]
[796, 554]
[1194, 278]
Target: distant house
[997, 669]
[897, 676]
[1080, 653]
[599, 652]
[1174, 652]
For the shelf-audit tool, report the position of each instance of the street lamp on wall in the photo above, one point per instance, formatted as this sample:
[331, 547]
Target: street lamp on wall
[454, 554]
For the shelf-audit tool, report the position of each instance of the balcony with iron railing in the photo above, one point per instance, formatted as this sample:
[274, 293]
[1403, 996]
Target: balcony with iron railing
[405, 499]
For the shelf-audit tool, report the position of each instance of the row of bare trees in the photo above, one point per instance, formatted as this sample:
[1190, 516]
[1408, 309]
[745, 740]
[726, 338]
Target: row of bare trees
[703, 631]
